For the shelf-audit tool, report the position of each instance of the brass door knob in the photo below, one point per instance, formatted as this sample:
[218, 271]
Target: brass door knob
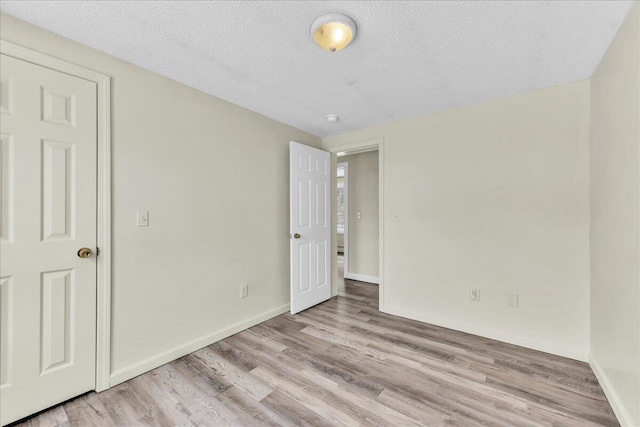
[296, 236]
[84, 253]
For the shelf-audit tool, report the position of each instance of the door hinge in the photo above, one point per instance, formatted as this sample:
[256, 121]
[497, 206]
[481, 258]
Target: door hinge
[97, 251]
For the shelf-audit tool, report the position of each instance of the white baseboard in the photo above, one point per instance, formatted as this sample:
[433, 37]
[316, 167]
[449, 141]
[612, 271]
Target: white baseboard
[624, 418]
[362, 278]
[570, 352]
[153, 362]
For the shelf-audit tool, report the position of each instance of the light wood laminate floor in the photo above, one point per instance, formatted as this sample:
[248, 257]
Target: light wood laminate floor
[345, 363]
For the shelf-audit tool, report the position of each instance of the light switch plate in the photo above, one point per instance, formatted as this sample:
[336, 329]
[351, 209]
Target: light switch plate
[513, 300]
[396, 217]
[142, 219]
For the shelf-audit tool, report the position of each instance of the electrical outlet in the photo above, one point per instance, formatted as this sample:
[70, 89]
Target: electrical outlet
[513, 300]
[359, 215]
[474, 295]
[244, 291]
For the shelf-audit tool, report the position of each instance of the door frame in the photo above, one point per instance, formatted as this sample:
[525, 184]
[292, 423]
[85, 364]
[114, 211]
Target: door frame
[355, 148]
[103, 238]
[345, 166]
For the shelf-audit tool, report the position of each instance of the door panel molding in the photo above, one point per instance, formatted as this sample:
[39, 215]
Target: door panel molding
[103, 82]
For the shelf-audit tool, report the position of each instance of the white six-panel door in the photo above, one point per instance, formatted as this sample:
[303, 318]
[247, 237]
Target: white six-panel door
[48, 212]
[310, 206]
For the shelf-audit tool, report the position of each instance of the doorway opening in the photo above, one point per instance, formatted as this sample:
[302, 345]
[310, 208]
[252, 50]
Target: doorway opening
[342, 208]
[357, 217]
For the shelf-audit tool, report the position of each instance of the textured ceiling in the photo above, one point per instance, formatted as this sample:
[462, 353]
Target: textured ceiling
[408, 59]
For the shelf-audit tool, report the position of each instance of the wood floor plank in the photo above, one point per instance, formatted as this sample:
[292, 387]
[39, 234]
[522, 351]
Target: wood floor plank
[240, 402]
[313, 397]
[56, 417]
[293, 339]
[197, 399]
[125, 405]
[368, 407]
[571, 405]
[233, 355]
[171, 402]
[87, 410]
[244, 381]
[292, 411]
[344, 363]
[340, 369]
[417, 410]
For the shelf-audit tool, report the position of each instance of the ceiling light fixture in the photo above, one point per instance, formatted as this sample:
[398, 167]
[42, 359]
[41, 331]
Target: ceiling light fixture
[333, 31]
[332, 118]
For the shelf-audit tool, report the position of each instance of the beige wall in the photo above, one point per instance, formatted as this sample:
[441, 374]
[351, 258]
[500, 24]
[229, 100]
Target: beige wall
[494, 196]
[363, 198]
[214, 177]
[615, 221]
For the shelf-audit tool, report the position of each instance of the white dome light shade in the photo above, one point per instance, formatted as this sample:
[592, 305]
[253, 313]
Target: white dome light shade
[333, 32]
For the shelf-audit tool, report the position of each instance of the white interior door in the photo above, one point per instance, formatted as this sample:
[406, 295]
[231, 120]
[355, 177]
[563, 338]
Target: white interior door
[48, 196]
[310, 184]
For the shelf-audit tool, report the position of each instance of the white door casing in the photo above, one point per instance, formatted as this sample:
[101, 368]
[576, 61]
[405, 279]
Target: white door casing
[48, 195]
[310, 215]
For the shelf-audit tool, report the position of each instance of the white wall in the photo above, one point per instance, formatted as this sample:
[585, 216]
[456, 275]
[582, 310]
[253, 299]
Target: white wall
[494, 196]
[363, 198]
[615, 221]
[214, 177]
